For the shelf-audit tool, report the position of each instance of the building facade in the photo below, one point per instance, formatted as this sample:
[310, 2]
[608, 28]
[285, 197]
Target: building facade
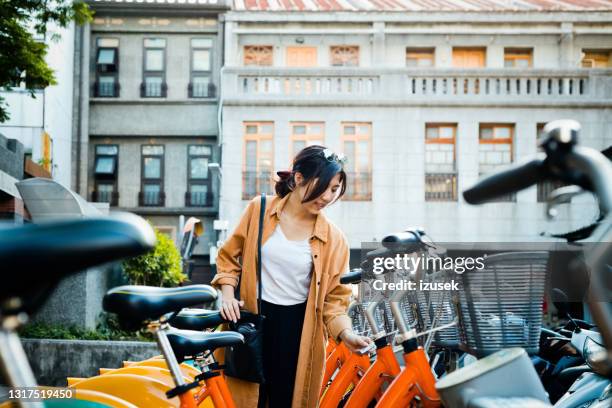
[148, 111]
[422, 101]
[36, 140]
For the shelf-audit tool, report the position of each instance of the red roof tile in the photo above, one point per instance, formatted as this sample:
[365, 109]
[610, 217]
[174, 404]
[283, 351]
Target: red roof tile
[423, 5]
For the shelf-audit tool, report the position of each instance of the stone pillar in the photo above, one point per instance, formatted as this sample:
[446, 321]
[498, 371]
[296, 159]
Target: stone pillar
[83, 131]
[231, 44]
[567, 59]
[378, 44]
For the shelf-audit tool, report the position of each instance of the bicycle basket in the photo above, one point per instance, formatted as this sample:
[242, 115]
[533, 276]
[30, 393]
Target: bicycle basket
[500, 305]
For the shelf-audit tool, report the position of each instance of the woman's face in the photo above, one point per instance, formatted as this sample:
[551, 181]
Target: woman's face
[328, 196]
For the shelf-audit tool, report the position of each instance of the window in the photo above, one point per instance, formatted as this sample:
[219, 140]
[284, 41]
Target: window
[201, 85]
[464, 57]
[440, 156]
[258, 159]
[420, 57]
[495, 149]
[305, 134]
[260, 55]
[302, 57]
[154, 69]
[107, 68]
[152, 176]
[518, 57]
[548, 186]
[199, 188]
[344, 56]
[596, 59]
[357, 146]
[105, 174]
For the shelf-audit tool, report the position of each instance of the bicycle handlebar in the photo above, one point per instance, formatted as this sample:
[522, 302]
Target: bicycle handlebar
[507, 181]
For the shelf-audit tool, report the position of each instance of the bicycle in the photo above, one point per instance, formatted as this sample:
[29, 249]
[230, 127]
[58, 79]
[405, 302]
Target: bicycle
[45, 254]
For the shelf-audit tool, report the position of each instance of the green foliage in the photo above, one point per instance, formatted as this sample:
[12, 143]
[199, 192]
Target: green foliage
[20, 53]
[159, 267]
[107, 329]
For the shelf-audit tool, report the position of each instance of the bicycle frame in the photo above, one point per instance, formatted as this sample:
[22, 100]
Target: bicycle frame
[385, 367]
[350, 373]
[334, 361]
[416, 379]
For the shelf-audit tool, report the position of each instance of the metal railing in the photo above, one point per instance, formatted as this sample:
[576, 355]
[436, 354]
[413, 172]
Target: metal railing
[201, 90]
[440, 186]
[153, 90]
[193, 199]
[151, 198]
[106, 90]
[111, 197]
[547, 187]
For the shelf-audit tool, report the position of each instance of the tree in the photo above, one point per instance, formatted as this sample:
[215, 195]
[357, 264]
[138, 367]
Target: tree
[21, 56]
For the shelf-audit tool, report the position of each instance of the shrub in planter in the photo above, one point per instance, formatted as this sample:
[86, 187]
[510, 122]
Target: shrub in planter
[159, 267]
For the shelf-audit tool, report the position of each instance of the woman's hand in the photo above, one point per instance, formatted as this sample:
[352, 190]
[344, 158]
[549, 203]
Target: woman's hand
[353, 341]
[230, 306]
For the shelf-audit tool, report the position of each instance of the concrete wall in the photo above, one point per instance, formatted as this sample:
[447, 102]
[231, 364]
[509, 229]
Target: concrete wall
[54, 360]
[11, 157]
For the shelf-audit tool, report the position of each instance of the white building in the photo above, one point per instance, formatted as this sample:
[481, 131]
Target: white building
[44, 123]
[423, 97]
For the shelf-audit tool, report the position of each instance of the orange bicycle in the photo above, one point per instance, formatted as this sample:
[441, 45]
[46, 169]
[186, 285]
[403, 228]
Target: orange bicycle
[384, 369]
[416, 380]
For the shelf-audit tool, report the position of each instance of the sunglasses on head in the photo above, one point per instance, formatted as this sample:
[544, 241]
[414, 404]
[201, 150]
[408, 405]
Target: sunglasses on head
[331, 156]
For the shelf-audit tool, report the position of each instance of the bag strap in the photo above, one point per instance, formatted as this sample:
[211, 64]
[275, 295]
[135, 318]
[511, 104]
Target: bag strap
[262, 210]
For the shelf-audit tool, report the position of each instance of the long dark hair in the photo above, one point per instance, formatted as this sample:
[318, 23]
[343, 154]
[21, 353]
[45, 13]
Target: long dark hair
[313, 164]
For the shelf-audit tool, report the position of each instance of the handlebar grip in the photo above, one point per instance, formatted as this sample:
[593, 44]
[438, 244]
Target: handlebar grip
[507, 181]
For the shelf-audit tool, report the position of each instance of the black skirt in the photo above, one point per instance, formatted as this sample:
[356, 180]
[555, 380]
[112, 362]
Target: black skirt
[282, 331]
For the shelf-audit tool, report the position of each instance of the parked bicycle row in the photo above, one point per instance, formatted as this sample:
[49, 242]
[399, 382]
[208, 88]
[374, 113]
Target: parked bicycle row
[477, 347]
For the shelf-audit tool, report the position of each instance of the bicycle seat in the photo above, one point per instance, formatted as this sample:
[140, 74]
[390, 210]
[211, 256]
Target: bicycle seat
[136, 304]
[354, 276]
[187, 343]
[197, 319]
[38, 256]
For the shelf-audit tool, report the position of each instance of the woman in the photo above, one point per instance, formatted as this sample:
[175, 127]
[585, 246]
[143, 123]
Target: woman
[303, 257]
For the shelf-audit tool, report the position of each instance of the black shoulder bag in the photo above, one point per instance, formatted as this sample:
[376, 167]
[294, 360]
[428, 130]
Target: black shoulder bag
[245, 361]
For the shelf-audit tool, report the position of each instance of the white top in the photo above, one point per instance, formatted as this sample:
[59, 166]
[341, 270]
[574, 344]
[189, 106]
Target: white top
[285, 269]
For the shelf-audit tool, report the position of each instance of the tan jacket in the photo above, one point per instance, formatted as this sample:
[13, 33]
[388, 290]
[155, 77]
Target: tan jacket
[327, 300]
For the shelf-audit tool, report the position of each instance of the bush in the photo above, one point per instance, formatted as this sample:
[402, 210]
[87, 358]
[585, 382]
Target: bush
[159, 267]
[107, 329]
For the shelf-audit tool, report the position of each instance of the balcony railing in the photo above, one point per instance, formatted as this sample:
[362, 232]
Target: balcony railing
[503, 84]
[195, 90]
[358, 186]
[254, 183]
[153, 90]
[151, 198]
[106, 90]
[193, 199]
[441, 187]
[111, 197]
